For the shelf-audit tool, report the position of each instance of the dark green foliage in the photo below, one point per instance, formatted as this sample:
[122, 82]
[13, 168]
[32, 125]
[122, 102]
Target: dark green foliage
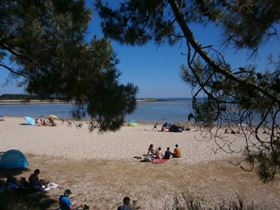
[222, 95]
[44, 42]
[136, 22]
[24, 200]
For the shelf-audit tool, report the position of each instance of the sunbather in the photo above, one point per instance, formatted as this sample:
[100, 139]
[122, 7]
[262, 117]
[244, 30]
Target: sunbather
[151, 153]
[151, 150]
[51, 122]
[177, 152]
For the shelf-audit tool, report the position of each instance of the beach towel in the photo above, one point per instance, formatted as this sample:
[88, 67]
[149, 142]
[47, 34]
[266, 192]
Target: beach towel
[158, 161]
[49, 186]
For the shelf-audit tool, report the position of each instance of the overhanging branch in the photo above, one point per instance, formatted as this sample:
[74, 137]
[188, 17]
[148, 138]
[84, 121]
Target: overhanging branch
[197, 47]
[13, 71]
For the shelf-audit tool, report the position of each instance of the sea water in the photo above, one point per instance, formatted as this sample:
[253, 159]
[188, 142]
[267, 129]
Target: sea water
[172, 110]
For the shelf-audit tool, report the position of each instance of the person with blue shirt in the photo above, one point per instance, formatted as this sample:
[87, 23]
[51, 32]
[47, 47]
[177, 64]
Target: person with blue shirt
[126, 204]
[167, 154]
[66, 204]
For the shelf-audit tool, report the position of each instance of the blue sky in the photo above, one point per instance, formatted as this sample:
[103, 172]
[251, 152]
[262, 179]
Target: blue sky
[155, 69]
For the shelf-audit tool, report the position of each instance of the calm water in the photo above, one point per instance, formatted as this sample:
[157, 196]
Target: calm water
[171, 110]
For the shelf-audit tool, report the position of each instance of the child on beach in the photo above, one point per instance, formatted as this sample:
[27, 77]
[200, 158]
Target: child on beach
[159, 154]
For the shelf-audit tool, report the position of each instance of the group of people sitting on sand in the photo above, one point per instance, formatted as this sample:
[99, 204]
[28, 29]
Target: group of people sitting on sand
[67, 202]
[153, 153]
[33, 183]
[170, 127]
[44, 122]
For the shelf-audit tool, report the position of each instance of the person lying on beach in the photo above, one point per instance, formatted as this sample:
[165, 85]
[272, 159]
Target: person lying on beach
[177, 152]
[65, 203]
[166, 126]
[159, 154]
[51, 122]
[45, 122]
[126, 204]
[39, 121]
[167, 154]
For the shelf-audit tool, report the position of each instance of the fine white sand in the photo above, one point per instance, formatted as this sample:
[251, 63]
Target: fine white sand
[101, 167]
[78, 143]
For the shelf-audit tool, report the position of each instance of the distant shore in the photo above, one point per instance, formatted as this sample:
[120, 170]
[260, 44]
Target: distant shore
[18, 101]
[11, 102]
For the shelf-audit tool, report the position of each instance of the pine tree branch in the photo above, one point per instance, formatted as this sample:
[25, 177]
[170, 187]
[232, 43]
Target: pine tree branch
[197, 47]
[13, 71]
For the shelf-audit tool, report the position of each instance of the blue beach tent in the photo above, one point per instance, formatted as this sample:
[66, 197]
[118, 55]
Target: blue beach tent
[13, 159]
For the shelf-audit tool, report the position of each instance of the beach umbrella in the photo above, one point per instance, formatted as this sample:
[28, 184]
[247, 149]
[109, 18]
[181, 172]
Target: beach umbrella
[52, 116]
[30, 120]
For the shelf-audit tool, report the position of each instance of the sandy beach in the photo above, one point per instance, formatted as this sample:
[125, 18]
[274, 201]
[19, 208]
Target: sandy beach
[102, 167]
[79, 144]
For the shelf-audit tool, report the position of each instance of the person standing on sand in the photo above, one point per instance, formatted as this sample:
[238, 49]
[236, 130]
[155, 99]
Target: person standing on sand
[177, 152]
[125, 206]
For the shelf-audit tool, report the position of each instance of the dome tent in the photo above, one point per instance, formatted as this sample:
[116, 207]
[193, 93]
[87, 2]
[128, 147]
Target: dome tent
[13, 159]
[132, 123]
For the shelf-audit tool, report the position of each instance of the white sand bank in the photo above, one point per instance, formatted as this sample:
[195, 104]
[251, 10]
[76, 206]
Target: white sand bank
[79, 143]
